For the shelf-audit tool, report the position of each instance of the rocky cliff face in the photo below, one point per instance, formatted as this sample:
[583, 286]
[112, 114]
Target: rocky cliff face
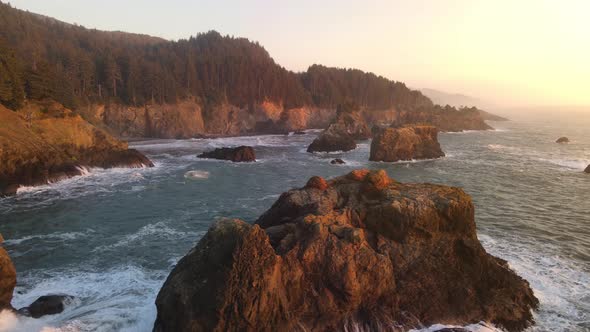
[361, 248]
[406, 143]
[7, 278]
[189, 119]
[45, 142]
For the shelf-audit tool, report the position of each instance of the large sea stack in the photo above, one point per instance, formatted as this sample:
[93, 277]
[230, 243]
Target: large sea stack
[45, 142]
[406, 143]
[360, 248]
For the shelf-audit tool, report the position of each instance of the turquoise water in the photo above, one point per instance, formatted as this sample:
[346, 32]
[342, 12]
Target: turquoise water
[111, 237]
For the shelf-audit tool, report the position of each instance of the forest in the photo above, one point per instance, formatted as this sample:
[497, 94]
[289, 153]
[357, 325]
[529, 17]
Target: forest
[41, 57]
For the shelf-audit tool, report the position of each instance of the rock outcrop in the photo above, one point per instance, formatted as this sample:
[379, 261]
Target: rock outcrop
[46, 305]
[361, 248]
[7, 278]
[562, 140]
[337, 161]
[329, 141]
[406, 143]
[46, 142]
[446, 119]
[238, 154]
[587, 170]
[342, 133]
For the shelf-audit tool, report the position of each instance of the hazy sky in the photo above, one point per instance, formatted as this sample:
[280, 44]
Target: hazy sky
[511, 52]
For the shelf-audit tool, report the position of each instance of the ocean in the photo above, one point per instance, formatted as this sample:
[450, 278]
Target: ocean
[110, 237]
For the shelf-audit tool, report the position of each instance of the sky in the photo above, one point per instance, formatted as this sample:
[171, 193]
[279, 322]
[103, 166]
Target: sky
[506, 52]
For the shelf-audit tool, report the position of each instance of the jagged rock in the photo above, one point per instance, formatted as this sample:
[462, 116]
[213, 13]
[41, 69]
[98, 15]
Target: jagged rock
[406, 143]
[7, 278]
[337, 161]
[562, 140]
[46, 305]
[587, 170]
[365, 248]
[317, 183]
[240, 154]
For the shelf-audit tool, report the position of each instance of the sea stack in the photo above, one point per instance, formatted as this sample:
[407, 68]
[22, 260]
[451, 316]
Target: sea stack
[406, 143]
[237, 155]
[342, 133]
[360, 248]
[562, 140]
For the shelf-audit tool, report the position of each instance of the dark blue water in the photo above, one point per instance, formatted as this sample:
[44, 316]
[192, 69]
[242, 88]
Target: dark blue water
[111, 237]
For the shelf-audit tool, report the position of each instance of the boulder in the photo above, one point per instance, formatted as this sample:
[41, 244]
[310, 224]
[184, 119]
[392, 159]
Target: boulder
[46, 305]
[337, 161]
[587, 170]
[562, 140]
[364, 249]
[239, 154]
[406, 143]
[7, 278]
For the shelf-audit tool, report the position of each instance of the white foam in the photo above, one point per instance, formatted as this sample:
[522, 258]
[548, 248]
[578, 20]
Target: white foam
[196, 175]
[68, 236]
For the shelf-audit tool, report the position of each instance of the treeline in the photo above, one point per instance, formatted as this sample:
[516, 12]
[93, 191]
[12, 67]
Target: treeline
[44, 58]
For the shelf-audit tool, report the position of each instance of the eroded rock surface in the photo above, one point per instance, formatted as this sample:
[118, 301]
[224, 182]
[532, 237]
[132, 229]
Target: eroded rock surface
[361, 248]
[406, 143]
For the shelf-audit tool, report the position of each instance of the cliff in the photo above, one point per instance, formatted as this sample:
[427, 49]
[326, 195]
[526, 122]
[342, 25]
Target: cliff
[188, 118]
[46, 142]
[360, 248]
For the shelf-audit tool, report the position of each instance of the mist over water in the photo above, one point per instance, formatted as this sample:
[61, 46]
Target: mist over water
[111, 237]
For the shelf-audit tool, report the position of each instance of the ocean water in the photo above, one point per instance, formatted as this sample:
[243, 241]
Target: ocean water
[111, 237]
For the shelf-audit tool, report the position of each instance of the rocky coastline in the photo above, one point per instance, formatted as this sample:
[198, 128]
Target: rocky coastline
[45, 142]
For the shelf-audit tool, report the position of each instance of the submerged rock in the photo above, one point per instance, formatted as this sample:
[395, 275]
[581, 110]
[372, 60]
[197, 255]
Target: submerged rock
[7, 278]
[46, 305]
[337, 161]
[563, 140]
[361, 248]
[239, 154]
[299, 132]
[406, 143]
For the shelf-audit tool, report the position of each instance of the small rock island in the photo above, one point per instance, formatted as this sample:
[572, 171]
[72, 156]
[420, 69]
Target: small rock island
[406, 143]
[360, 247]
[237, 155]
[562, 140]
